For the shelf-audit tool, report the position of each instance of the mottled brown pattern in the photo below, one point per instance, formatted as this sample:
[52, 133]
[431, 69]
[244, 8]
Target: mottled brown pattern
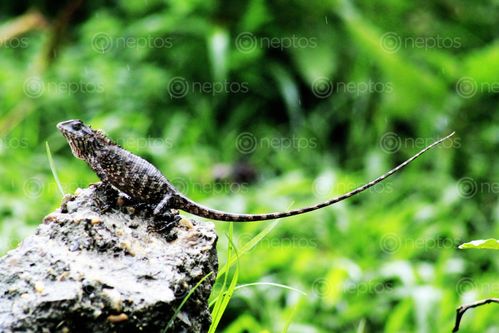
[140, 180]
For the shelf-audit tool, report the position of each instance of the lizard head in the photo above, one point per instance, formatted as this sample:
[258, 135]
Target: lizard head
[81, 138]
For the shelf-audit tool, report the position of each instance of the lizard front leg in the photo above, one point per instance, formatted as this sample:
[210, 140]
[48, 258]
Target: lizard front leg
[122, 199]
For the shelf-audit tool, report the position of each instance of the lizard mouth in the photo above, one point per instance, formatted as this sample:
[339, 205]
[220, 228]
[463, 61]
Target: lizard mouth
[74, 131]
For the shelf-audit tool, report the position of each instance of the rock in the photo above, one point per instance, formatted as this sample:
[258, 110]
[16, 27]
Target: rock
[100, 264]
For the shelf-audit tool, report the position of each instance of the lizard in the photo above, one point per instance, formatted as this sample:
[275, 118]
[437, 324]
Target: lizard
[143, 182]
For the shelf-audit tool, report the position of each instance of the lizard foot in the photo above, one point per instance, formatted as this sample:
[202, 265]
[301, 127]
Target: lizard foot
[165, 222]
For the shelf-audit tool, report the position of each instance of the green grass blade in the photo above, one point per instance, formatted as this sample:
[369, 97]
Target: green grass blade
[225, 295]
[228, 295]
[226, 266]
[186, 298]
[248, 246]
[283, 286]
[292, 315]
[362, 326]
[52, 168]
[222, 299]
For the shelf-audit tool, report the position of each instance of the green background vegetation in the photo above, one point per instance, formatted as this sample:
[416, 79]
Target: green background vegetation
[313, 99]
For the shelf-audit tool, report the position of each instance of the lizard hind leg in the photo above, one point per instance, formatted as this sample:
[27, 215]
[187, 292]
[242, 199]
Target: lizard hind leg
[166, 216]
[165, 204]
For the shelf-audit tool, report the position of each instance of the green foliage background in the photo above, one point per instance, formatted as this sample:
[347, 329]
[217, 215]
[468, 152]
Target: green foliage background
[317, 97]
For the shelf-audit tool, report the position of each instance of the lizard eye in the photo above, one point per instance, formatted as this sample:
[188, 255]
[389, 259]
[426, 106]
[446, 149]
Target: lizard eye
[76, 126]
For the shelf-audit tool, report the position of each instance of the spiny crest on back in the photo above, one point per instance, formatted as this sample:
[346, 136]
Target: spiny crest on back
[102, 137]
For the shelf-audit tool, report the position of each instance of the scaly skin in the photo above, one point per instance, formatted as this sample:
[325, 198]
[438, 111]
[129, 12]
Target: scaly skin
[143, 182]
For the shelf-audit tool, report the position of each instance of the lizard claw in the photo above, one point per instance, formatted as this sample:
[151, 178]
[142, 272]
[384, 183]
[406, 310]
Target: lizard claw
[165, 223]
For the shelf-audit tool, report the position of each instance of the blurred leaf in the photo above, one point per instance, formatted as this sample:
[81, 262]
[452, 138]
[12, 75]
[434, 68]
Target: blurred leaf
[491, 244]
[316, 62]
[483, 65]
[218, 43]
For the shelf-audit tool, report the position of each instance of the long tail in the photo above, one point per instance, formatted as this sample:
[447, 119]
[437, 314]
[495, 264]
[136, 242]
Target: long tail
[194, 208]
